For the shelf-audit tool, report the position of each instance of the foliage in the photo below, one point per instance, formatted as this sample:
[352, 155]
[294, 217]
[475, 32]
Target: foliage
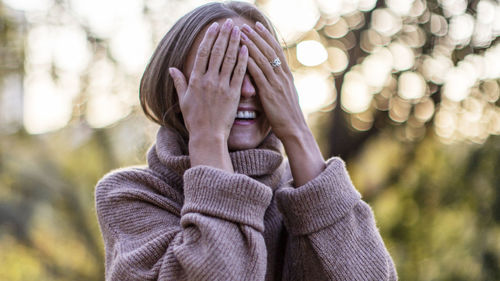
[426, 161]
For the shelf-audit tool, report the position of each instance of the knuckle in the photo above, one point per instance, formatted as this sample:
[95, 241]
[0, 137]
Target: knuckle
[239, 71]
[230, 59]
[208, 84]
[222, 85]
[262, 61]
[203, 52]
[194, 79]
[217, 49]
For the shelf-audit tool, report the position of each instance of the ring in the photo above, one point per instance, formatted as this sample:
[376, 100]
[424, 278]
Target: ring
[276, 62]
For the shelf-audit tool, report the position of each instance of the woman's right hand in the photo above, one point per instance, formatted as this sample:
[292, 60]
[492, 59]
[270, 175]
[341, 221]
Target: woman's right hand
[209, 100]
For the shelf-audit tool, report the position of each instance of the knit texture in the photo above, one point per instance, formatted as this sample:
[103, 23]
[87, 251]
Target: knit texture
[168, 221]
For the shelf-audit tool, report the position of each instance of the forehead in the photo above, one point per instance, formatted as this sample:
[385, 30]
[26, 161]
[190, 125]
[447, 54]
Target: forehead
[237, 21]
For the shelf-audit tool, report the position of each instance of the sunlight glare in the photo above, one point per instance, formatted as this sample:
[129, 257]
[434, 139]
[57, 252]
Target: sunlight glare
[366, 5]
[457, 85]
[311, 53]
[337, 59]
[315, 90]
[105, 109]
[29, 5]
[439, 25]
[453, 7]
[377, 67]
[400, 7]
[405, 57]
[424, 110]
[70, 49]
[385, 22]
[300, 16]
[355, 97]
[131, 45]
[331, 8]
[104, 16]
[461, 28]
[411, 85]
[46, 108]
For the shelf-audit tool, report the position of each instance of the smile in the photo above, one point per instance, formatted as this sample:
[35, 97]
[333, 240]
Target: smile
[246, 114]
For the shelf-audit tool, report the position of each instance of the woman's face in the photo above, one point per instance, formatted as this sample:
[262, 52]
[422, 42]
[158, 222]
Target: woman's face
[249, 131]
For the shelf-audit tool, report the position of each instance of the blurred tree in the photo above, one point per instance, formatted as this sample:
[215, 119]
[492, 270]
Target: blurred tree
[405, 90]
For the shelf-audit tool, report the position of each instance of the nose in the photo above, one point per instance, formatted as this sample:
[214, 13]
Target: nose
[247, 88]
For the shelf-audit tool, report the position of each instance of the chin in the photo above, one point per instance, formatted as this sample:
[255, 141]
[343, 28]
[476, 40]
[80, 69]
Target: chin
[234, 145]
[244, 140]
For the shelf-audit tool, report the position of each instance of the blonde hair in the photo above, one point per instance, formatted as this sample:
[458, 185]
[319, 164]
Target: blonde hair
[157, 93]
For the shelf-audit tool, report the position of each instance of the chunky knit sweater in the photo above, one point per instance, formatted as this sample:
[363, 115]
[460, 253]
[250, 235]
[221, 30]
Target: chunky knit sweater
[168, 221]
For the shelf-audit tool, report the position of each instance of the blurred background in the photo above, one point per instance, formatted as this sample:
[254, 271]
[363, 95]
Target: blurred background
[406, 91]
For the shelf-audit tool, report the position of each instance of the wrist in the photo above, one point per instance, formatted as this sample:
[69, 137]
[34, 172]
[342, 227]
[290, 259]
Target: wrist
[210, 150]
[297, 136]
[305, 158]
[206, 140]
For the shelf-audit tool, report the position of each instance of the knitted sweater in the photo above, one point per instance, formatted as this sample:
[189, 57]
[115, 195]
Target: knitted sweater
[168, 221]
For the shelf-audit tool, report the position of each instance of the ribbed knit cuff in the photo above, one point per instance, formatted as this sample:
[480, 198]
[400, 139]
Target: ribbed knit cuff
[319, 203]
[233, 197]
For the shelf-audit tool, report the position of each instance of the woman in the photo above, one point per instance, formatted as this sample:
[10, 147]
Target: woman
[217, 200]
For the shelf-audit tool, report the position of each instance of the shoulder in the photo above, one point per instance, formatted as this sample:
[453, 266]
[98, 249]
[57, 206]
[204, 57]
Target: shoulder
[128, 178]
[127, 186]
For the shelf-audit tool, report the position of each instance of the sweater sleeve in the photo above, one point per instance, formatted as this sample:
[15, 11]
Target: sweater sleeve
[216, 236]
[333, 235]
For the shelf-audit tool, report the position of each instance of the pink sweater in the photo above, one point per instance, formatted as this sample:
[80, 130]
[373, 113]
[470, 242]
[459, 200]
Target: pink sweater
[168, 221]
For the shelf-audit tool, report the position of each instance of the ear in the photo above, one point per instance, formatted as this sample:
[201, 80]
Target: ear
[179, 81]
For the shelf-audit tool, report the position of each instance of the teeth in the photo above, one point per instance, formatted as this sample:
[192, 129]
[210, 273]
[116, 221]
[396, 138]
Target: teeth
[246, 114]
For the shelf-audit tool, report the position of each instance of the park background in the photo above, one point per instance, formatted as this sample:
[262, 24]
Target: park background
[405, 91]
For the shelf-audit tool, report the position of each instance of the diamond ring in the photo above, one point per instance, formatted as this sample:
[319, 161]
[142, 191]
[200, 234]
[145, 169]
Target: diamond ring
[276, 62]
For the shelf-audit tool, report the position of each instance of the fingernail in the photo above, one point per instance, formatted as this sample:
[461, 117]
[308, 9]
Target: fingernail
[246, 28]
[244, 50]
[236, 31]
[244, 37]
[228, 24]
[213, 27]
[260, 26]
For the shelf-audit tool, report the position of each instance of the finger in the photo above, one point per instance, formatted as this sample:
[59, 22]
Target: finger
[203, 53]
[179, 81]
[261, 44]
[220, 46]
[257, 74]
[231, 54]
[259, 58]
[240, 69]
[271, 40]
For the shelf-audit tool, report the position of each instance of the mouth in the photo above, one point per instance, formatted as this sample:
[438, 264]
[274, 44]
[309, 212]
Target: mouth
[246, 116]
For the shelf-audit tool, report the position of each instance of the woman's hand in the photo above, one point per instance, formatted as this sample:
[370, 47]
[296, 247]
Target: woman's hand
[275, 84]
[209, 100]
[280, 102]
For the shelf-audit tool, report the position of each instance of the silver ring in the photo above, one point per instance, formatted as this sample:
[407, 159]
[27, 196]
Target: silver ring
[276, 62]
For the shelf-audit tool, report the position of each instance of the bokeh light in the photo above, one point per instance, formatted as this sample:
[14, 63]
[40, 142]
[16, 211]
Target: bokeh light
[411, 85]
[311, 53]
[407, 90]
[315, 90]
[337, 59]
[300, 17]
[355, 96]
[403, 56]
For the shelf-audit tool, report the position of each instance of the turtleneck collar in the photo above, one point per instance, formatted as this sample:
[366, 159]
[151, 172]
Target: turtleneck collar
[260, 163]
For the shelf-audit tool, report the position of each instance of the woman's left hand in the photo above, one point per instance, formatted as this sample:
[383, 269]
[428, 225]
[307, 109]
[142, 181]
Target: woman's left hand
[274, 83]
[281, 104]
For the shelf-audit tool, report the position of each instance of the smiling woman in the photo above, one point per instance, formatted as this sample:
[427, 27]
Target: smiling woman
[218, 201]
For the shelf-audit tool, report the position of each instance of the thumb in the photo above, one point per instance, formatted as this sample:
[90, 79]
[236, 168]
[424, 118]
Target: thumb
[179, 81]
